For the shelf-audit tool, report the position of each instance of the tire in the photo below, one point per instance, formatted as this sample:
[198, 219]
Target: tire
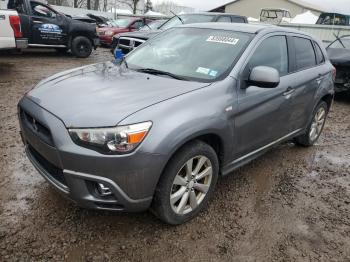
[195, 195]
[308, 139]
[81, 47]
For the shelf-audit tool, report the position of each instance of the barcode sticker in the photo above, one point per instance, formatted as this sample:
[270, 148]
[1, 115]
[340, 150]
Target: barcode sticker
[223, 40]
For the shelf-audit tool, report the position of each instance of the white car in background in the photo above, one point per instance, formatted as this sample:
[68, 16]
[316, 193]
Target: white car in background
[11, 34]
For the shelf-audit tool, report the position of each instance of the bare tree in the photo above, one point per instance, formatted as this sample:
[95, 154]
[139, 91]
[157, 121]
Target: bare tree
[149, 6]
[96, 4]
[131, 3]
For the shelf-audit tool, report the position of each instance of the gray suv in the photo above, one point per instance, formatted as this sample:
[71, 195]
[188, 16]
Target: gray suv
[157, 129]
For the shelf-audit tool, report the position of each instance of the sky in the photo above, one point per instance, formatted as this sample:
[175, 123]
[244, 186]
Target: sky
[204, 5]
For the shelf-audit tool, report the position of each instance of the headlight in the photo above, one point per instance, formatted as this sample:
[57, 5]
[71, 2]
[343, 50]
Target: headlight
[120, 139]
[109, 33]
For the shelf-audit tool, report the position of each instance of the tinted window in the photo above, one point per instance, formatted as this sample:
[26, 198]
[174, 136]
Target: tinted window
[237, 20]
[138, 24]
[272, 52]
[41, 10]
[224, 19]
[305, 55]
[319, 54]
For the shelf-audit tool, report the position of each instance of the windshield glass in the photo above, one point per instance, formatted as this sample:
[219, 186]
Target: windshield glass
[152, 26]
[343, 42]
[187, 19]
[191, 53]
[121, 22]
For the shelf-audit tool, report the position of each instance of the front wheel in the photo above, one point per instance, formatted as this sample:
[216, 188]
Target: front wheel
[81, 47]
[187, 183]
[315, 128]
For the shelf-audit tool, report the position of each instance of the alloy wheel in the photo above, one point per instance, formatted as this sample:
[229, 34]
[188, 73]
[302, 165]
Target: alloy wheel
[317, 124]
[191, 185]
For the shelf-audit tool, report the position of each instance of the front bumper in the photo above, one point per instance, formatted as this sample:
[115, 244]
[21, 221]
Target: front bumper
[75, 171]
[21, 43]
[106, 40]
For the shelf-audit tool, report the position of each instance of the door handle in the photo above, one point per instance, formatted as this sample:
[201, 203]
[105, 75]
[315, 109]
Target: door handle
[289, 91]
[37, 22]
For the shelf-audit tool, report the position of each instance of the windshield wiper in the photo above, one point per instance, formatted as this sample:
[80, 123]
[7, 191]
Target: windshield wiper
[160, 72]
[182, 21]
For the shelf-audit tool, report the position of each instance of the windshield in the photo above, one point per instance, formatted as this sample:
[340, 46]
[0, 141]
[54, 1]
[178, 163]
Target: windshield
[343, 42]
[187, 19]
[121, 22]
[191, 53]
[152, 26]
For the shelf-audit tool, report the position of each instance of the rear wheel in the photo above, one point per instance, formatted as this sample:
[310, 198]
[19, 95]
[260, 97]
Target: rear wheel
[81, 47]
[187, 183]
[315, 128]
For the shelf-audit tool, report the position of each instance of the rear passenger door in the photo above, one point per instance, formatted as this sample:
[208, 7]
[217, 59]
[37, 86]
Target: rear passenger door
[264, 113]
[306, 77]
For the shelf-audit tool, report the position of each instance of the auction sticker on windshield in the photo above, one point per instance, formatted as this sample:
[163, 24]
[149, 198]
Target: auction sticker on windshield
[223, 40]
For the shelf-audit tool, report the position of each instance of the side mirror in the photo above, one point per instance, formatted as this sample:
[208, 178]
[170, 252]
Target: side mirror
[264, 76]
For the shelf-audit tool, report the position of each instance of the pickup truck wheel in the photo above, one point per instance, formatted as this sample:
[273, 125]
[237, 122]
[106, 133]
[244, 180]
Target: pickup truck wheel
[186, 184]
[315, 128]
[81, 47]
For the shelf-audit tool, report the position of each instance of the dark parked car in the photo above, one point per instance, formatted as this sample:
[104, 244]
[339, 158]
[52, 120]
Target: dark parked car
[158, 129]
[339, 55]
[129, 41]
[45, 27]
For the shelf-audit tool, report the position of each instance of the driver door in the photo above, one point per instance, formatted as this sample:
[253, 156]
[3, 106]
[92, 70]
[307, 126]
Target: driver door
[48, 26]
[264, 112]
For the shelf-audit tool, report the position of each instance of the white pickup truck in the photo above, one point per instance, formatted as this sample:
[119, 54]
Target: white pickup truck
[10, 31]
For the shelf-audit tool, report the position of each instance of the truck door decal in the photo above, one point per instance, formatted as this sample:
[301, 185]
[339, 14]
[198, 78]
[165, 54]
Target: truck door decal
[50, 32]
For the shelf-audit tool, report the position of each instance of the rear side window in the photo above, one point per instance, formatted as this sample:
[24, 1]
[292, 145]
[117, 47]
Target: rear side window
[224, 19]
[319, 55]
[272, 52]
[304, 53]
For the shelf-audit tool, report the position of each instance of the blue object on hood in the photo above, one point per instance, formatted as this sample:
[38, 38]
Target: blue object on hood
[118, 54]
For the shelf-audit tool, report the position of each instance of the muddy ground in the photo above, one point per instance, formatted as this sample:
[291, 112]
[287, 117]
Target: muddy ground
[292, 204]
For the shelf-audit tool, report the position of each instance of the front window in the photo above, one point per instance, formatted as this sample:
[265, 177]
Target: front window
[187, 19]
[191, 53]
[122, 22]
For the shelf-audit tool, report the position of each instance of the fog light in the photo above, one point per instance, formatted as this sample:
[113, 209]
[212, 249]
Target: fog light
[103, 190]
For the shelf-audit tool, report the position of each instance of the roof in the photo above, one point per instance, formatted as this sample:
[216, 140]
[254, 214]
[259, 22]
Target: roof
[211, 13]
[245, 28]
[297, 2]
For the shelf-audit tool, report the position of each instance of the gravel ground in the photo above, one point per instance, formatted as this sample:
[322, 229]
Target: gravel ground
[292, 204]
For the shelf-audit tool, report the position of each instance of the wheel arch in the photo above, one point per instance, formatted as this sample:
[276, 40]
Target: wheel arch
[213, 139]
[77, 33]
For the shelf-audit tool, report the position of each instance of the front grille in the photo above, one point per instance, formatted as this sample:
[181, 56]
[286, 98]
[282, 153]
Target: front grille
[127, 44]
[51, 169]
[36, 127]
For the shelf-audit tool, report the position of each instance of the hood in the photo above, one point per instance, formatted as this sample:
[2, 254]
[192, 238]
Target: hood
[101, 95]
[339, 56]
[142, 34]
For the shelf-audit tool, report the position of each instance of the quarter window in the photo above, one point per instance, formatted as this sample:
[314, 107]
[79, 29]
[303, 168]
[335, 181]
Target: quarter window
[272, 52]
[305, 55]
[237, 19]
[319, 54]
